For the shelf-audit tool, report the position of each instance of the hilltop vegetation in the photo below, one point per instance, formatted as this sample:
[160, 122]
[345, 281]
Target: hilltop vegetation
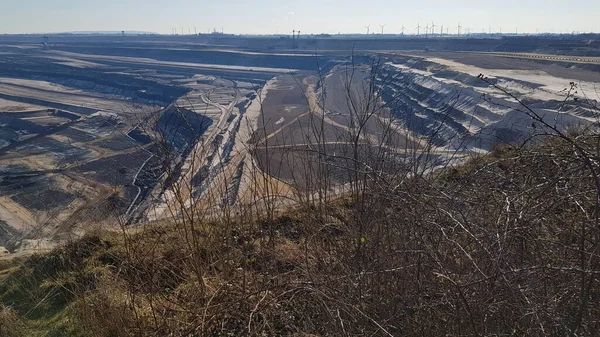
[506, 243]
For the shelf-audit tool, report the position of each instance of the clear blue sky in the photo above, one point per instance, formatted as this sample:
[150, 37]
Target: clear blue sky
[308, 16]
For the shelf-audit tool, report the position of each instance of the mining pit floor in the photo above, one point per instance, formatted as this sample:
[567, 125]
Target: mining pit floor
[84, 124]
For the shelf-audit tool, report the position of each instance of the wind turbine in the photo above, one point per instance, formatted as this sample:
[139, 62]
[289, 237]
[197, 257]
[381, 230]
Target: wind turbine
[402, 29]
[442, 30]
[368, 27]
[427, 30]
[433, 28]
[458, 29]
[382, 28]
[418, 29]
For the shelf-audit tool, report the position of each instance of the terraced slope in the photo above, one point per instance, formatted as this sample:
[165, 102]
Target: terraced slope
[446, 101]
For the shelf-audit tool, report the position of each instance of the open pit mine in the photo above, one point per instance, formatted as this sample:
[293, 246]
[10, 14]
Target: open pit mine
[137, 129]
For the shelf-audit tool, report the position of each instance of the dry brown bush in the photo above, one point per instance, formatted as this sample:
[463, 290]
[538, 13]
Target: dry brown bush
[11, 324]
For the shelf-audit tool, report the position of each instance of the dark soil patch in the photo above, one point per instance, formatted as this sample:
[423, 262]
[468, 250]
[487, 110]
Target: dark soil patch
[43, 199]
[117, 170]
[14, 123]
[139, 136]
[34, 191]
[118, 143]
[100, 124]
[77, 135]
[182, 127]
[67, 154]
[7, 233]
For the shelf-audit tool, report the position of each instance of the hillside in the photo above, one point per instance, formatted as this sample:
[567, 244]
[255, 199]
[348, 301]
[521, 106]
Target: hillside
[505, 243]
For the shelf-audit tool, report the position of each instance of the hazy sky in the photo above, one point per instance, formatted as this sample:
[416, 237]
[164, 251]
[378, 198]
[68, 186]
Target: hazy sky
[308, 16]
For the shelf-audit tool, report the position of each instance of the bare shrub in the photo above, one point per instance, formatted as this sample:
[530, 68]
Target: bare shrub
[11, 324]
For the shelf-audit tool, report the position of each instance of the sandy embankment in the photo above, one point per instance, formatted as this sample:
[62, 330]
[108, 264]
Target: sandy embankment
[15, 215]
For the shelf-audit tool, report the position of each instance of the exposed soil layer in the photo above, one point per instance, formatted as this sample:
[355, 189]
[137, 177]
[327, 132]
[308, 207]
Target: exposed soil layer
[7, 233]
[118, 143]
[77, 135]
[32, 67]
[36, 192]
[181, 127]
[444, 101]
[117, 170]
[573, 71]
